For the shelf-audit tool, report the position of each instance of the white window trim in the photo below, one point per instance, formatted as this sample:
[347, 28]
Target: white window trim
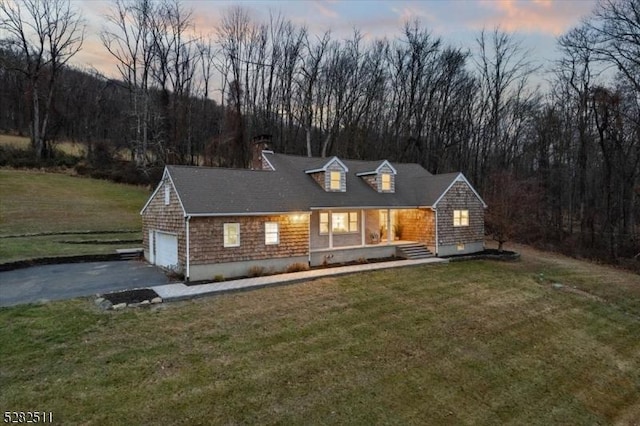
[462, 219]
[267, 233]
[167, 194]
[328, 222]
[225, 233]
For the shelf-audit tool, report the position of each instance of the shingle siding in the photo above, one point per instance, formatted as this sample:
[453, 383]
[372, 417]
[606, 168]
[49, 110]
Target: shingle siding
[418, 225]
[206, 238]
[460, 197]
[166, 218]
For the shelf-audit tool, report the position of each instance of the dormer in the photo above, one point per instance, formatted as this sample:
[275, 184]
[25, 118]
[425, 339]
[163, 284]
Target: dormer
[382, 179]
[331, 176]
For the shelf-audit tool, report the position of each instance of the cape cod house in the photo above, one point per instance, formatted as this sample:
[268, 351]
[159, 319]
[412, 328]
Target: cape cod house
[210, 222]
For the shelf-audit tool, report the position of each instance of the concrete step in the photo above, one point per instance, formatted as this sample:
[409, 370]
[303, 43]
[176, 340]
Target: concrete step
[413, 251]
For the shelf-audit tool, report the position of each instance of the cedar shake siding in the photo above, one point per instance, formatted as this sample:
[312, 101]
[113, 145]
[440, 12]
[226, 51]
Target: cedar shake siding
[418, 225]
[166, 218]
[207, 238]
[460, 197]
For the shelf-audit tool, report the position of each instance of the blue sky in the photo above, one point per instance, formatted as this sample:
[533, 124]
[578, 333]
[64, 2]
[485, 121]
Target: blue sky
[536, 23]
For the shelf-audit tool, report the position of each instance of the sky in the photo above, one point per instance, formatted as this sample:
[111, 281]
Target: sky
[536, 23]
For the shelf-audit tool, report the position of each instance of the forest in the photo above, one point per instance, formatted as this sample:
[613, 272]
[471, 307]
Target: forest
[559, 167]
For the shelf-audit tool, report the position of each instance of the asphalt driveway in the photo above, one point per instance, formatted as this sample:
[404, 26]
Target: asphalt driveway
[69, 280]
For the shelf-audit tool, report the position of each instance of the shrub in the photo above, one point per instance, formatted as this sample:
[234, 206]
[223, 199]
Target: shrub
[256, 271]
[218, 278]
[298, 267]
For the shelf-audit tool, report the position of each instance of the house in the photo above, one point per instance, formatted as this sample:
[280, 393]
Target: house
[210, 222]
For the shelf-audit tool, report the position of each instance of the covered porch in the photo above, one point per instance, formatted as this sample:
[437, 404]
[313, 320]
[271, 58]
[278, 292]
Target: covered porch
[344, 235]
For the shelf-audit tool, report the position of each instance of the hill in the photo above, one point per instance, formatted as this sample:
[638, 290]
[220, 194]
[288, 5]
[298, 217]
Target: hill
[49, 214]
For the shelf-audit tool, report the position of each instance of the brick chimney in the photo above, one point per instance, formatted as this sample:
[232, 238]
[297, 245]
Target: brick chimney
[258, 144]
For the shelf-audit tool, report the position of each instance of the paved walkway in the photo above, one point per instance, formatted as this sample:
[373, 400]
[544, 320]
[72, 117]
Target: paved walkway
[180, 291]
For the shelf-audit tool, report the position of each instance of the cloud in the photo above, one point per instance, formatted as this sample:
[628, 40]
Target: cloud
[542, 16]
[325, 11]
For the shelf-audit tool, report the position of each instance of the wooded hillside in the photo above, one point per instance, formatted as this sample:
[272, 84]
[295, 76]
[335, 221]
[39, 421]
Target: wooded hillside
[557, 167]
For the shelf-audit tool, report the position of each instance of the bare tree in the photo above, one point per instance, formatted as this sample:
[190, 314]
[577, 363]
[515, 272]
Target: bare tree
[46, 34]
[129, 39]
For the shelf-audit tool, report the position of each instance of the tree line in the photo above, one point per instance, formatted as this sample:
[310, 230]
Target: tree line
[557, 167]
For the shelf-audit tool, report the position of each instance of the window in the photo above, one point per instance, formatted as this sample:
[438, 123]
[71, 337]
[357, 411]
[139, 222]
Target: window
[335, 177]
[461, 218]
[231, 234]
[386, 182]
[324, 223]
[167, 194]
[344, 222]
[341, 223]
[271, 234]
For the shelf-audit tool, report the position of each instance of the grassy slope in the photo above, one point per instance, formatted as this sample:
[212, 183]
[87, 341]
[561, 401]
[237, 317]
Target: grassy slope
[472, 342]
[23, 142]
[37, 202]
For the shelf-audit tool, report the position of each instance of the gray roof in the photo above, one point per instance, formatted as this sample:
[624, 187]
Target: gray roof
[217, 191]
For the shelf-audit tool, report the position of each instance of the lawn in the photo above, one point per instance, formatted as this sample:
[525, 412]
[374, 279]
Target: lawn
[477, 342]
[34, 202]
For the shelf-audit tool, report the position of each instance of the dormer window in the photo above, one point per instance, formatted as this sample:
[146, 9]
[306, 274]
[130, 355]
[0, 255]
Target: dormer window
[334, 183]
[331, 176]
[382, 178]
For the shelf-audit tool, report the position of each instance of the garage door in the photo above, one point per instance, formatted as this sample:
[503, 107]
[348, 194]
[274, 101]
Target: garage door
[166, 249]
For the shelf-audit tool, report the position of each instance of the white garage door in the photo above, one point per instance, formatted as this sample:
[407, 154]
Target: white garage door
[166, 249]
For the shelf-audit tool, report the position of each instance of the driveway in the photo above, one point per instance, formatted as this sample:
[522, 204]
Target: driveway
[69, 280]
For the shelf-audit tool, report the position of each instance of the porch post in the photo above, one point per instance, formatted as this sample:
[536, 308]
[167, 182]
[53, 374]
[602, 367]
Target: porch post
[330, 230]
[362, 226]
[388, 226]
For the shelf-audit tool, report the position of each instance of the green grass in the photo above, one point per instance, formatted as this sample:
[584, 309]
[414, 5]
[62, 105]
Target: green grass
[464, 343]
[35, 202]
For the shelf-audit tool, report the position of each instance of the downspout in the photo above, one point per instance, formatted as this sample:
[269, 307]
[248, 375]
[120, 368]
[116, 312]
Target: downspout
[309, 236]
[188, 262]
[436, 226]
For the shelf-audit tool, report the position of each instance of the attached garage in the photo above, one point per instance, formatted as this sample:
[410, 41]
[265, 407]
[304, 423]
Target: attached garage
[166, 249]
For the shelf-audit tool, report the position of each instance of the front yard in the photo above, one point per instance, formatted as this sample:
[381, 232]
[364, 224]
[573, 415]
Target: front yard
[472, 342]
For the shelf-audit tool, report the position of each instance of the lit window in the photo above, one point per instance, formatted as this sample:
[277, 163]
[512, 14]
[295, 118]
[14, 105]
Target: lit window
[324, 223]
[461, 218]
[167, 194]
[231, 234]
[271, 234]
[344, 222]
[386, 182]
[335, 181]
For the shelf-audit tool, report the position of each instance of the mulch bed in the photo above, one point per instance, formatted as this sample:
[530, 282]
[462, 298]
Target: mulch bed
[492, 254]
[131, 296]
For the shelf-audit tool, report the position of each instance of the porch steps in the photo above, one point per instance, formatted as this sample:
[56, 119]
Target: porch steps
[413, 251]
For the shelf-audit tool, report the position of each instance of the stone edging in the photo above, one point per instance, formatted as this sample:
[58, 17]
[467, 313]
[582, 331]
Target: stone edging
[83, 258]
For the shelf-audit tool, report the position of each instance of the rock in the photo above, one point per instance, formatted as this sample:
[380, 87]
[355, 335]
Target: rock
[557, 285]
[99, 301]
[144, 303]
[156, 300]
[134, 305]
[119, 306]
[105, 305]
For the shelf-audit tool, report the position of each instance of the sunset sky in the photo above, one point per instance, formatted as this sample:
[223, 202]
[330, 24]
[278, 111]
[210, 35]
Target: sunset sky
[537, 23]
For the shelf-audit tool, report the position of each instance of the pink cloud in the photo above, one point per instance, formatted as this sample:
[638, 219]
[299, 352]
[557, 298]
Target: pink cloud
[325, 11]
[543, 16]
